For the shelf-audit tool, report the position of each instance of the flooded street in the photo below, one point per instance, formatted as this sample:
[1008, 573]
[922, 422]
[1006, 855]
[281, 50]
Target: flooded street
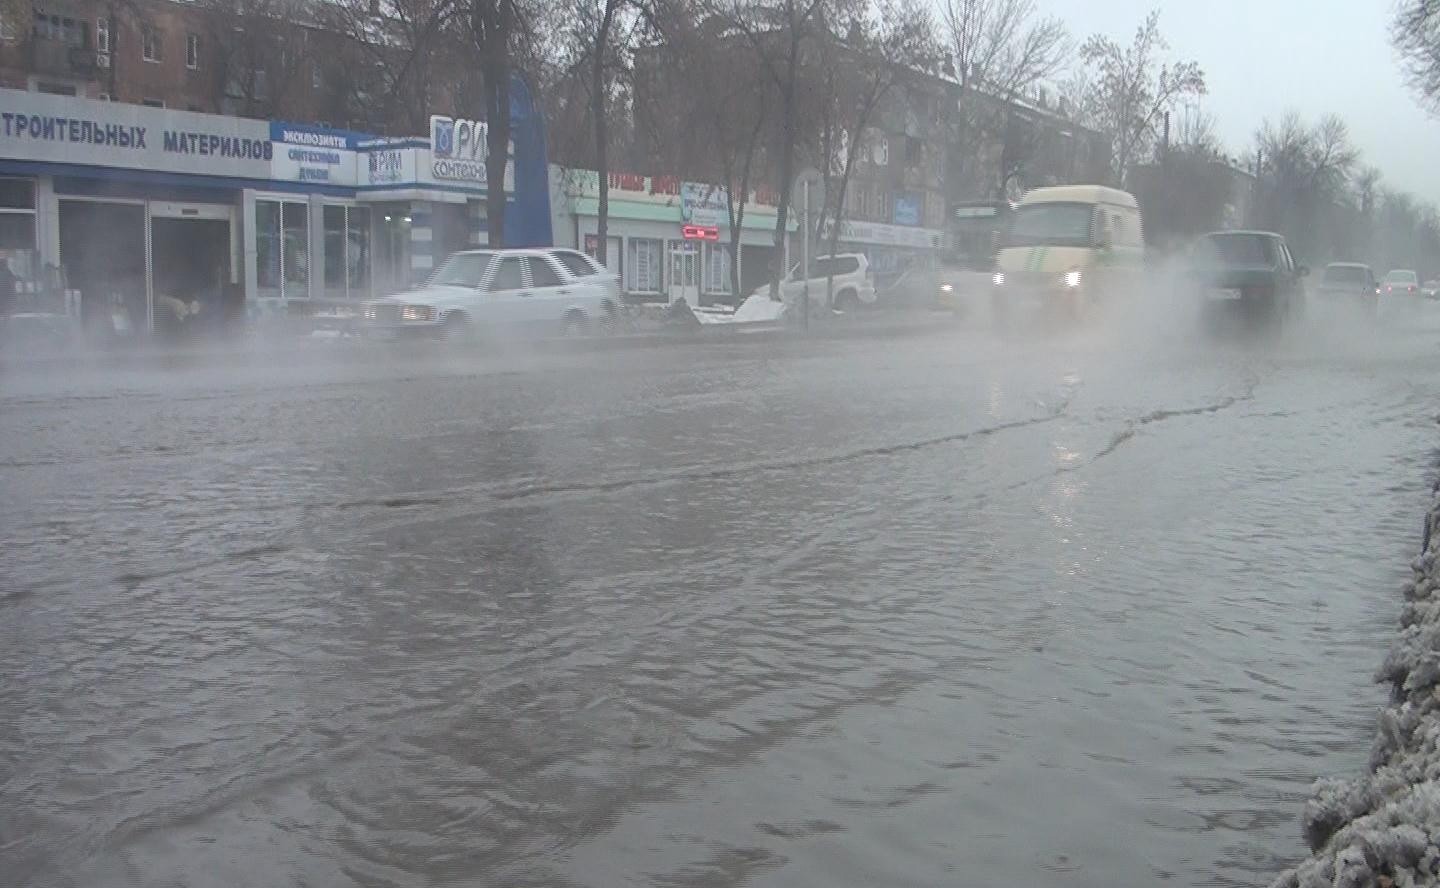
[903, 610]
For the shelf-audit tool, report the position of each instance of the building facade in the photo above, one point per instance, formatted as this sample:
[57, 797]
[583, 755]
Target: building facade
[154, 214]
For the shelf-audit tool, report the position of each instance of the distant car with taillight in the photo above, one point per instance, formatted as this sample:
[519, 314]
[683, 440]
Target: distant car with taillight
[1349, 283]
[1400, 282]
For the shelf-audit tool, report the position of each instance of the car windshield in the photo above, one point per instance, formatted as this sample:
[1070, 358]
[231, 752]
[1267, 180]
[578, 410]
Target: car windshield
[1400, 277]
[1236, 250]
[462, 270]
[1344, 274]
[1051, 224]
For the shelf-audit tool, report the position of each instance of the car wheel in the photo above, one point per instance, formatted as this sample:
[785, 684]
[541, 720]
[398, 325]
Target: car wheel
[576, 324]
[846, 300]
[458, 328]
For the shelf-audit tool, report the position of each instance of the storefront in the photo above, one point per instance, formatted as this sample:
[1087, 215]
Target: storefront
[157, 219]
[648, 220]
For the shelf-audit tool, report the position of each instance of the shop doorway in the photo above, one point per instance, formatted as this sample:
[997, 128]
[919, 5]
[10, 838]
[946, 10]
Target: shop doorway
[684, 280]
[102, 250]
[191, 261]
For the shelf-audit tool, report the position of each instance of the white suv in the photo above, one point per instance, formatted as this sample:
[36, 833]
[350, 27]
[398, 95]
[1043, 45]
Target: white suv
[853, 285]
[489, 290]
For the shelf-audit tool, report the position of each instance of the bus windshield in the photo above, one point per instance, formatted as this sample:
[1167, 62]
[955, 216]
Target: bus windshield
[1051, 224]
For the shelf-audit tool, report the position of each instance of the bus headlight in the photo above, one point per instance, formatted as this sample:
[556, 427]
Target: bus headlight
[1072, 279]
[998, 279]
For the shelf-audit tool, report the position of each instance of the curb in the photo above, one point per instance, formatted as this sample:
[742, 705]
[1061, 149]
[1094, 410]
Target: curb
[237, 351]
[1383, 829]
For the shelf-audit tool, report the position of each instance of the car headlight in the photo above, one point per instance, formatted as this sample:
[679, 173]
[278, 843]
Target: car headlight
[370, 313]
[418, 313]
[1072, 278]
[998, 279]
[946, 288]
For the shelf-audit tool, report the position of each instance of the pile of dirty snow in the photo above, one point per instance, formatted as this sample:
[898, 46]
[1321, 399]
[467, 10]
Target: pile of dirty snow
[1383, 829]
[760, 309]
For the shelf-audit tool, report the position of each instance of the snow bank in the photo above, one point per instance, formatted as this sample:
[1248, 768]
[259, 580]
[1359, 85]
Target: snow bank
[754, 310]
[1383, 829]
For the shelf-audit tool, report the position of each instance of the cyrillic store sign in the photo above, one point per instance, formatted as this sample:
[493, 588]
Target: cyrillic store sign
[459, 149]
[314, 154]
[65, 129]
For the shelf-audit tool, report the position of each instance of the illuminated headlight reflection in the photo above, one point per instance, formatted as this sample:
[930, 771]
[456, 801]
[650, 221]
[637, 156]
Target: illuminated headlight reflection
[1072, 279]
[418, 313]
[998, 279]
[371, 313]
[946, 288]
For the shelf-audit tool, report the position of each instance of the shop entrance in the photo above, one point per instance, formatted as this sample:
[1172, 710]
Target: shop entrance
[684, 280]
[190, 247]
[102, 250]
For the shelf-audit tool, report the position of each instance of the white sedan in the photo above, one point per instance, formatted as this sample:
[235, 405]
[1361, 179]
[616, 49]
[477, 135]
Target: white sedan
[481, 291]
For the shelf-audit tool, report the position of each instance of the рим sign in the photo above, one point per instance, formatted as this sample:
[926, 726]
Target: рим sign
[459, 149]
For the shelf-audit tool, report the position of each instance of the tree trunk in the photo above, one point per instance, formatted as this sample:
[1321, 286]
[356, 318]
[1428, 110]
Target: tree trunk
[602, 145]
[497, 140]
[787, 161]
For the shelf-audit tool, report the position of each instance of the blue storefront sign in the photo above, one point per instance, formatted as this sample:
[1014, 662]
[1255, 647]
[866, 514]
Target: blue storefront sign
[907, 209]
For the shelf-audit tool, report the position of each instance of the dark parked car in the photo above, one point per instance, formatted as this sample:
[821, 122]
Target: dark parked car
[1251, 274]
[1350, 283]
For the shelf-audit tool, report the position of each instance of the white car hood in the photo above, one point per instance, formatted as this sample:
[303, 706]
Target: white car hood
[439, 296]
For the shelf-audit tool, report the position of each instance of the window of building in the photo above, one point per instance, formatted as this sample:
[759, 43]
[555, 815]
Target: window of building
[61, 29]
[282, 247]
[347, 252]
[17, 226]
[716, 275]
[56, 89]
[150, 44]
[642, 265]
[192, 51]
[153, 103]
[317, 76]
[259, 85]
[102, 34]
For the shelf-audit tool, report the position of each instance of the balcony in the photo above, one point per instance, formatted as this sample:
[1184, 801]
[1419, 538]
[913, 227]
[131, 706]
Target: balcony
[61, 59]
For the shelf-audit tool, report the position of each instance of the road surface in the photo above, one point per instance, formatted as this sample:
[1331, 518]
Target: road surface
[912, 610]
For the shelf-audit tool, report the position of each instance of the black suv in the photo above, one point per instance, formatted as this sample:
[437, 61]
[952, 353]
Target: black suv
[1251, 273]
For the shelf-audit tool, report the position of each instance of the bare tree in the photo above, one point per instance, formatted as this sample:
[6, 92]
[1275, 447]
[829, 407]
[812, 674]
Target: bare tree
[497, 28]
[600, 36]
[712, 123]
[887, 42]
[390, 79]
[1000, 50]
[1133, 87]
[261, 48]
[1415, 32]
[1304, 173]
[777, 32]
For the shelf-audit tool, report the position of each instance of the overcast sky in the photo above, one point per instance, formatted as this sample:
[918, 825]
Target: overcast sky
[1262, 57]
